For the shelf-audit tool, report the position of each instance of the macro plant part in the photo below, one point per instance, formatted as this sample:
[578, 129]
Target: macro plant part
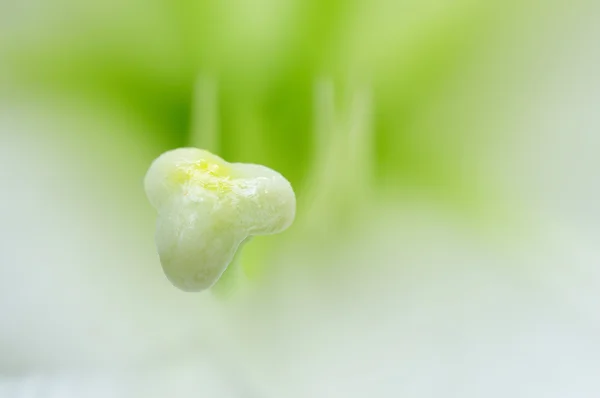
[207, 208]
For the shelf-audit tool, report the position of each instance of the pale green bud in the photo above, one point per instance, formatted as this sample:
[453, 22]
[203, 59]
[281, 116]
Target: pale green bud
[207, 207]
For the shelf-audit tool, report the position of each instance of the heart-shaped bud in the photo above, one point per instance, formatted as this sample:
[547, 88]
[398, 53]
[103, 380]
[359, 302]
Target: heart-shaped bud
[207, 207]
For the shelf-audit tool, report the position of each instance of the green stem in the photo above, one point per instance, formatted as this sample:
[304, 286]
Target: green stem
[205, 120]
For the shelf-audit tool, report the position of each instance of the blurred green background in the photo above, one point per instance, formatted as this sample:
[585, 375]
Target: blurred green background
[427, 141]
